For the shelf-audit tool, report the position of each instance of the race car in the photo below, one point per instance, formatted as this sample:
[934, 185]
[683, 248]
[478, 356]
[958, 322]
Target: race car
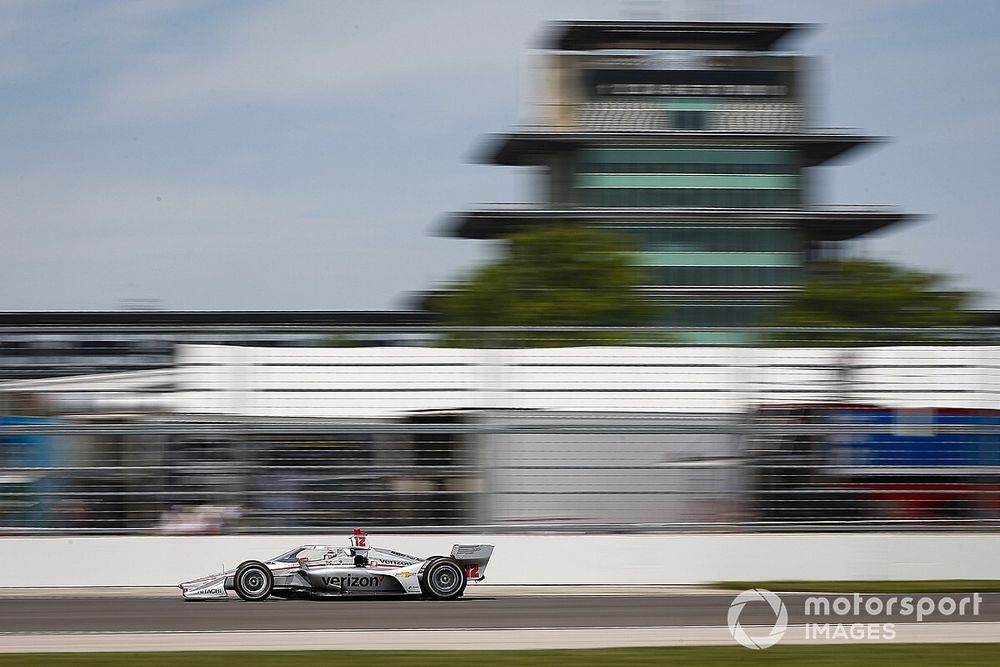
[355, 570]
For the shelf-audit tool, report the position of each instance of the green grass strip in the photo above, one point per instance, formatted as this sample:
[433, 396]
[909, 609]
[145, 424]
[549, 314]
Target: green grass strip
[915, 587]
[868, 654]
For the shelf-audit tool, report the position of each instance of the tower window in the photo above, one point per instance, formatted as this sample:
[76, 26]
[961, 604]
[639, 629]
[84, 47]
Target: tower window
[689, 119]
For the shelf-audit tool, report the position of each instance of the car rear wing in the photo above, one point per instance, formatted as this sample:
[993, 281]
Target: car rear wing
[474, 558]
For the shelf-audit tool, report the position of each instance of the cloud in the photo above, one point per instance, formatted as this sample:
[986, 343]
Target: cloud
[103, 240]
[96, 219]
[292, 51]
[321, 195]
[14, 65]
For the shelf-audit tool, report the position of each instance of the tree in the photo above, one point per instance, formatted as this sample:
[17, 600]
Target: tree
[870, 293]
[569, 276]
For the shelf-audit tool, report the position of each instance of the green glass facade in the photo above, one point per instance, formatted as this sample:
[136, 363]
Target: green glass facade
[725, 276]
[712, 177]
[679, 254]
[673, 235]
[717, 256]
[716, 313]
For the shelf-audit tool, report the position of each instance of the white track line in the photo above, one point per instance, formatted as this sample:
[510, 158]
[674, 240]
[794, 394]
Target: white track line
[542, 638]
[474, 591]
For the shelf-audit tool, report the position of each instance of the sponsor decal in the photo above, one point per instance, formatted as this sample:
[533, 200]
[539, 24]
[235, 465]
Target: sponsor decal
[405, 574]
[387, 563]
[354, 581]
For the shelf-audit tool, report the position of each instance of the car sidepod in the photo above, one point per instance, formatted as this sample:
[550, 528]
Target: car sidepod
[362, 580]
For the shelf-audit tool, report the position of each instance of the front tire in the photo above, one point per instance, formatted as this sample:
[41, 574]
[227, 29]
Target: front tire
[443, 579]
[253, 581]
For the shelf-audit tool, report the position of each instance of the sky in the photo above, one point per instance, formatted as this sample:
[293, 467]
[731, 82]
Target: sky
[305, 155]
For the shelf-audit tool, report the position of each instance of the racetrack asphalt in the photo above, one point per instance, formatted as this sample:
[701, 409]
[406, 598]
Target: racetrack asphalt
[130, 614]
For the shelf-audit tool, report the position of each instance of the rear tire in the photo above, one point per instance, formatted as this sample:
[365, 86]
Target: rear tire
[253, 581]
[443, 579]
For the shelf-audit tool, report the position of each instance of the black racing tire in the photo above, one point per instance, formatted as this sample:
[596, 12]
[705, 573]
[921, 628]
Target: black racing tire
[253, 581]
[443, 579]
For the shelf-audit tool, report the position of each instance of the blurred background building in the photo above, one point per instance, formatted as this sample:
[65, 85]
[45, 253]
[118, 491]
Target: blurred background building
[50, 344]
[695, 140]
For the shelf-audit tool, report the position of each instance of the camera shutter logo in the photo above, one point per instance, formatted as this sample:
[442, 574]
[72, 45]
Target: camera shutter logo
[775, 634]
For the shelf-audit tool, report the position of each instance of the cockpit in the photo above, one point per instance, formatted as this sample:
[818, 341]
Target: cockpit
[305, 551]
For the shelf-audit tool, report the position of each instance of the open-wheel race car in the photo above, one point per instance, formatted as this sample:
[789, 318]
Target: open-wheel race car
[355, 570]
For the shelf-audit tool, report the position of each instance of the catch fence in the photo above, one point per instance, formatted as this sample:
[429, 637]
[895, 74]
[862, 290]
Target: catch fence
[318, 429]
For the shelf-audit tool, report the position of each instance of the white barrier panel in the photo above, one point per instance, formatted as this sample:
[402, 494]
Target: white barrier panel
[283, 382]
[528, 559]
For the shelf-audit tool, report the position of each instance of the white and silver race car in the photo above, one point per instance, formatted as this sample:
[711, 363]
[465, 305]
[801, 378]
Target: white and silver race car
[356, 570]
